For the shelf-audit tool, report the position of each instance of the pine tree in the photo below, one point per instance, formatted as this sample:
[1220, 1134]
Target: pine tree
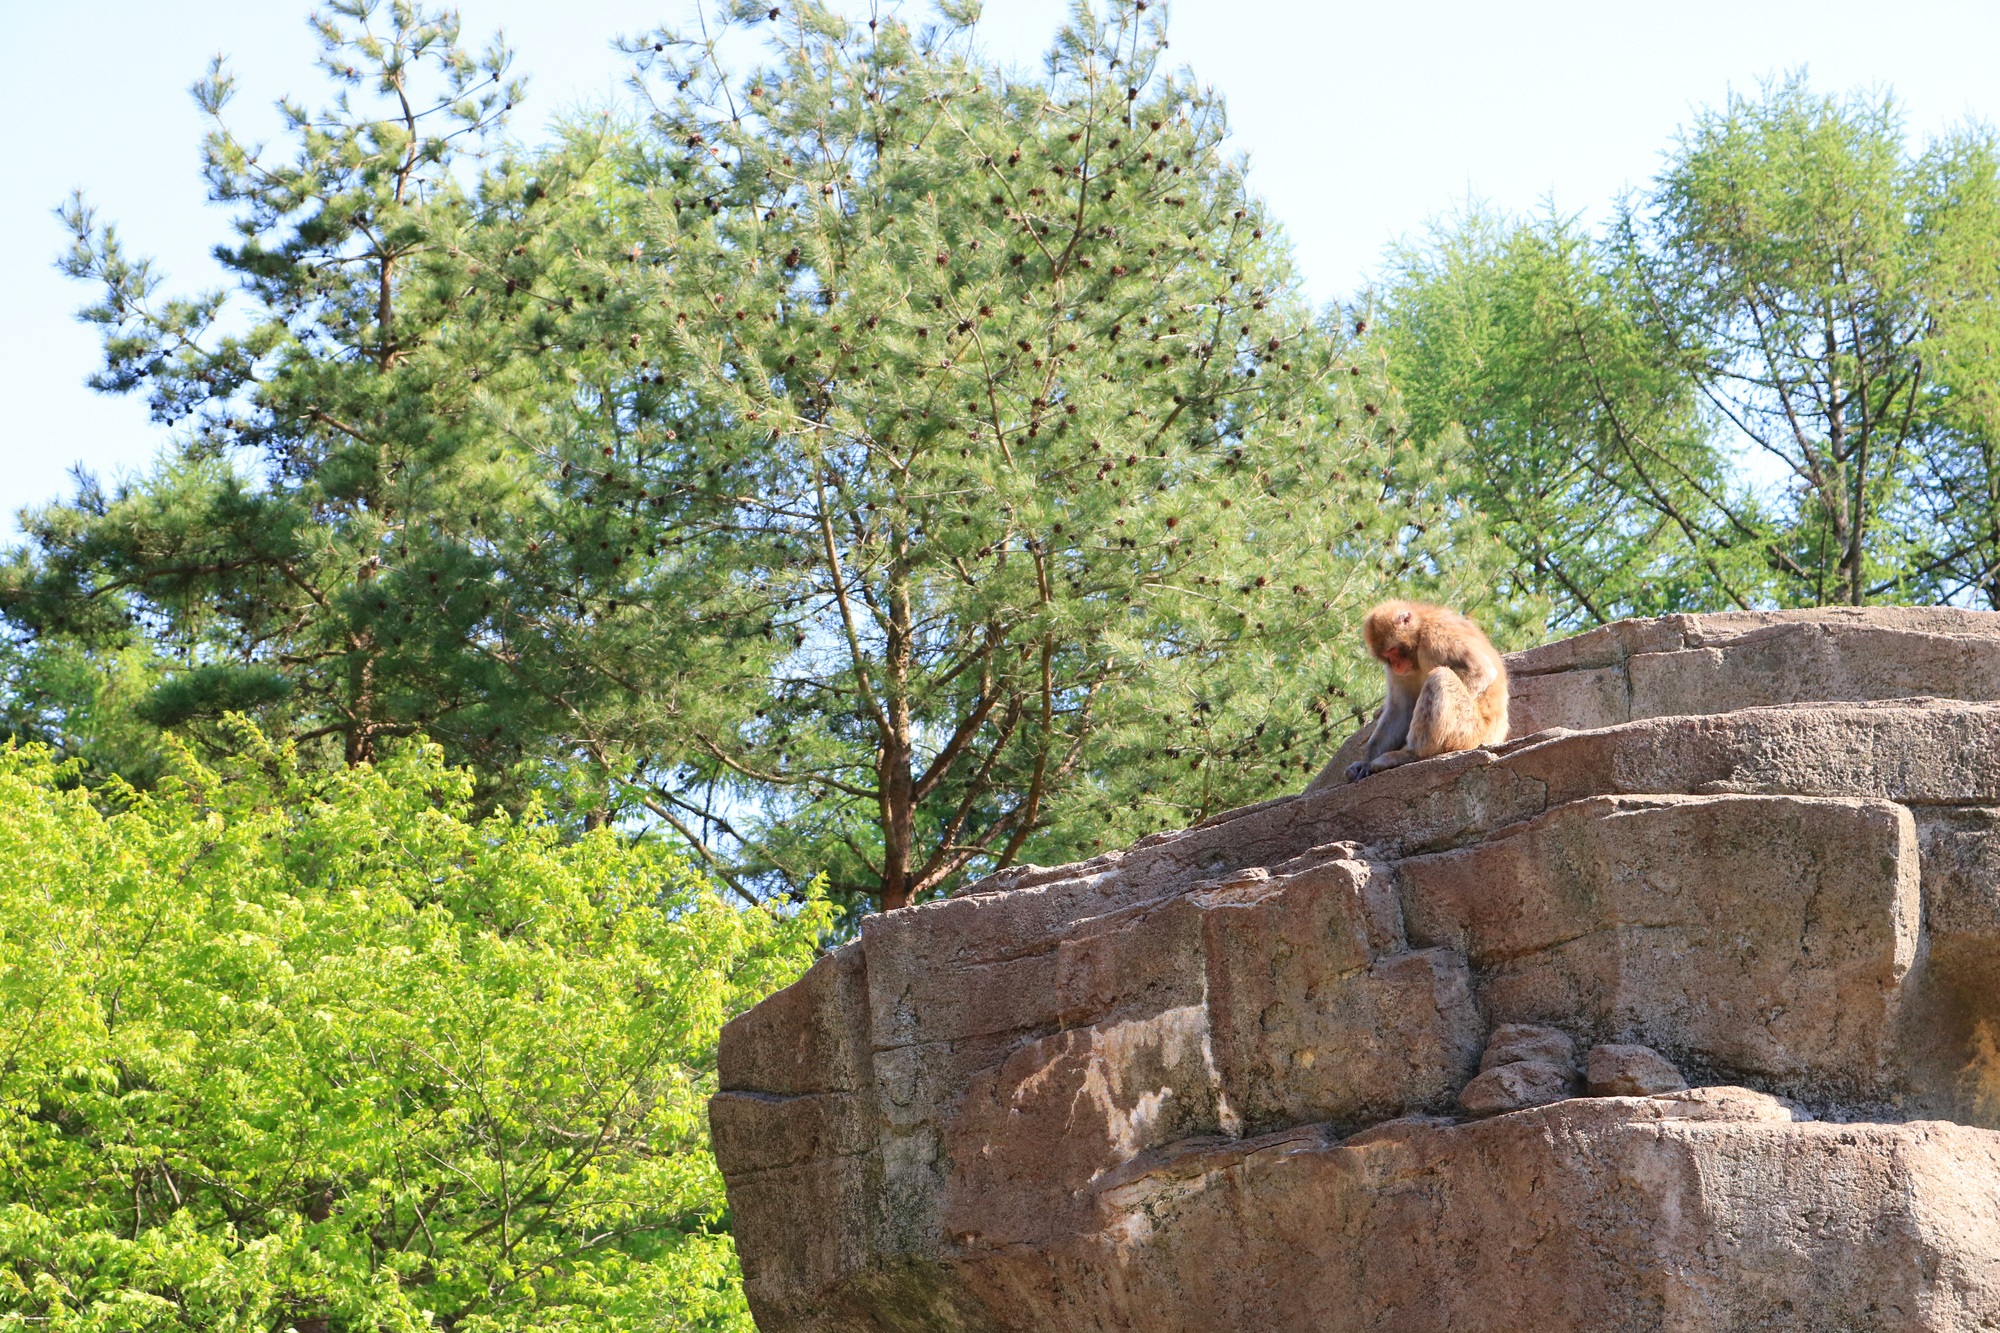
[318, 547]
[867, 464]
[973, 477]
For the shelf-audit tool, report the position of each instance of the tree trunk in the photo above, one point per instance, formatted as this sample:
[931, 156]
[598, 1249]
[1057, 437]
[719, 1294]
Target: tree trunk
[896, 782]
[361, 709]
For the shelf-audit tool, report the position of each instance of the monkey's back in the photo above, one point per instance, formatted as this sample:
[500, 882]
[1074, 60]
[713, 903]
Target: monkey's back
[1444, 634]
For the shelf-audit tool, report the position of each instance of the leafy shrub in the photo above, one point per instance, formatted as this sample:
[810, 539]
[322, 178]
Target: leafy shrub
[319, 1051]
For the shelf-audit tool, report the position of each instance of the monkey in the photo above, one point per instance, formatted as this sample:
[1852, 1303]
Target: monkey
[1447, 686]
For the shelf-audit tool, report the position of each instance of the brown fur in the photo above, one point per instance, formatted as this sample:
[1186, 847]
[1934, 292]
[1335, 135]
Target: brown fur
[1447, 686]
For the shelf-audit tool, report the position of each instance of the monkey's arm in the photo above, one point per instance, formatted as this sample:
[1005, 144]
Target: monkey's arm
[1392, 727]
[1392, 731]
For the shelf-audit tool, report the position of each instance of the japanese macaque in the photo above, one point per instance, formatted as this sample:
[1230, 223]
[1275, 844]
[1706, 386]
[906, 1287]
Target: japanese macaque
[1447, 686]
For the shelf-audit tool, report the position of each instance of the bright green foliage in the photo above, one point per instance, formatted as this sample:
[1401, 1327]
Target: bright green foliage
[973, 477]
[1786, 240]
[1586, 448]
[1951, 508]
[1769, 383]
[320, 1052]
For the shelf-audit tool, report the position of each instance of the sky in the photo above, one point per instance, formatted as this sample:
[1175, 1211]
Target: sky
[1363, 124]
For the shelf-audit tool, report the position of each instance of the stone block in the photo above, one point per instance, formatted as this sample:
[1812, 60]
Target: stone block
[1914, 751]
[802, 1231]
[1617, 1070]
[1764, 936]
[1961, 882]
[810, 1037]
[1605, 646]
[1701, 631]
[1373, 907]
[1715, 1210]
[1801, 663]
[966, 967]
[1577, 700]
[1517, 1085]
[1034, 1132]
[1317, 1013]
[916, 1085]
[1512, 1042]
[1137, 961]
[1395, 1036]
[754, 1131]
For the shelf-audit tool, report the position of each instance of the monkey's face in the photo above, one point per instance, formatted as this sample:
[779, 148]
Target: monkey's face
[1390, 632]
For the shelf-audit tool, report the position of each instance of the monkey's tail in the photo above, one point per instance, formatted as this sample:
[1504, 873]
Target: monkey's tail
[1446, 717]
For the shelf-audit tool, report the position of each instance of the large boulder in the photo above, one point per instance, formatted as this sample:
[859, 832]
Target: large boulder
[1214, 1081]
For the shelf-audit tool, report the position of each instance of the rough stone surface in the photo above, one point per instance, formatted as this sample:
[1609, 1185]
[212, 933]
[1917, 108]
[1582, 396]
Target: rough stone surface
[1227, 1078]
[1514, 1042]
[1682, 923]
[1517, 1085]
[1629, 1071]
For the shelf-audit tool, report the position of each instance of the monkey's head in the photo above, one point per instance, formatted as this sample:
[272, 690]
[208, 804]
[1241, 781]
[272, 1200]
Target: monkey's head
[1391, 634]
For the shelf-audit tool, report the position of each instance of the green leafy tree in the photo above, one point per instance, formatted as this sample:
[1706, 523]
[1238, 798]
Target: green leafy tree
[972, 477]
[1797, 292]
[84, 704]
[320, 1052]
[1585, 444]
[1793, 248]
[1952, 504]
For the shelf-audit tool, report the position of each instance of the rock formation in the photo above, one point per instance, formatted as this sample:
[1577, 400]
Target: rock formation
[1214, 1082]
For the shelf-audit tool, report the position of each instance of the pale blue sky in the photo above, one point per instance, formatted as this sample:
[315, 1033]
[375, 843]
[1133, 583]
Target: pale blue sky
[1362, 121]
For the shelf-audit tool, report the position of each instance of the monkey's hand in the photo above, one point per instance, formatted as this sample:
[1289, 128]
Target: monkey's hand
[1358, 771]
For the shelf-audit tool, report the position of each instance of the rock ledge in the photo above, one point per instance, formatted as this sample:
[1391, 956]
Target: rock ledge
[1213, 1082]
